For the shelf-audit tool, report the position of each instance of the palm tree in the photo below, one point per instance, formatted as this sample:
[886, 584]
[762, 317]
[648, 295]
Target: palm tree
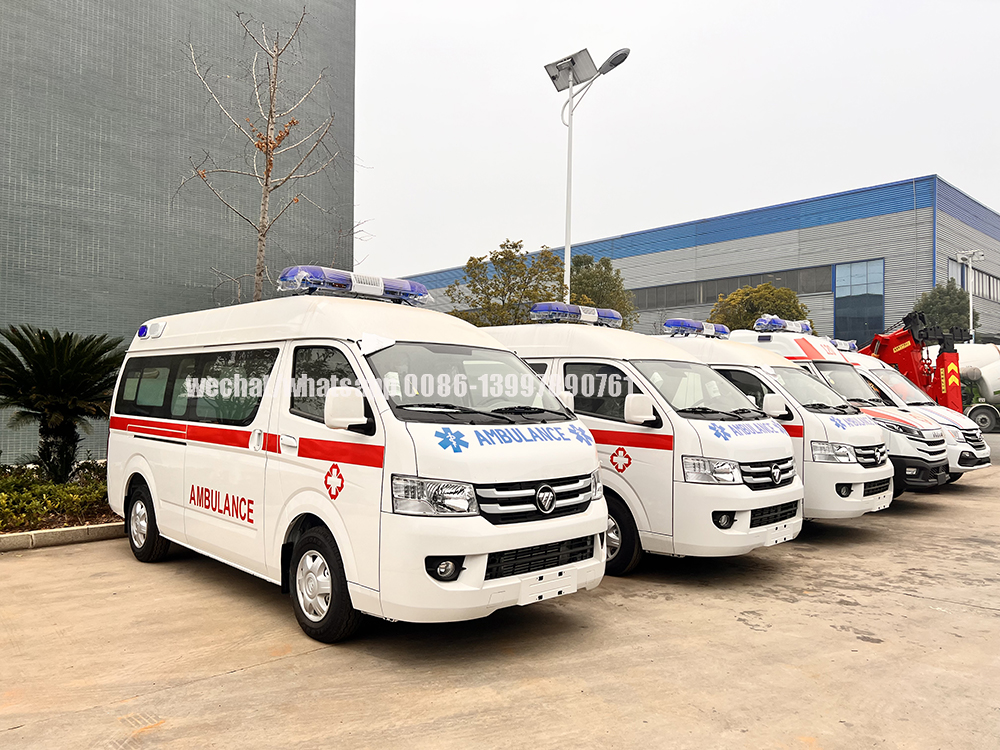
[58, 381]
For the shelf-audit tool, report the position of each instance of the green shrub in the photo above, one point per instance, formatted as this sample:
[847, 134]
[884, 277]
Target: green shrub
[28, 501]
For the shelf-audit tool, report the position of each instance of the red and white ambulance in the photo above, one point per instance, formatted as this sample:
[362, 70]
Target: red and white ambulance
[368, 457]
[840, 453]
[916, 444]
[689, 466]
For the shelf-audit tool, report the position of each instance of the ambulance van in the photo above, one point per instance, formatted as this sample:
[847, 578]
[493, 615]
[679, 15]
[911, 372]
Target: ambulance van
[916, 444]
[689, 466]
[967, 450]
[840, 453]
[367, 457]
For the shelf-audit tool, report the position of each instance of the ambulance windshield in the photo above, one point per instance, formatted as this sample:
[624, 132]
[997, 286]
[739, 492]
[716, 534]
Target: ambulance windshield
[696, 391]
[903, 387]
[470, 385]
[811, 392]
[845, 380]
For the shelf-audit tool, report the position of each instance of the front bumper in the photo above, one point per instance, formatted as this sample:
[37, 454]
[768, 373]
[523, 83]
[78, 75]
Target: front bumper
[916, 473]
[409, 593]
[822, 480]
[697, 535]
[963, 457]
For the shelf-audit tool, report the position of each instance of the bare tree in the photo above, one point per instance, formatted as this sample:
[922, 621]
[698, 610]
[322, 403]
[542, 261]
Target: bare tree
[270, 141]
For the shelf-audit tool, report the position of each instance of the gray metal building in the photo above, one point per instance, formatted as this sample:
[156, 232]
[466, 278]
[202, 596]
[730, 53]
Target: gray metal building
[859, 260]
[102, 113]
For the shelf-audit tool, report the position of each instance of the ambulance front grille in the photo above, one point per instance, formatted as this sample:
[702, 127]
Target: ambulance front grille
[514, 562]
[975, 439]
[871, 456]
[758, 476]
[877, 487]
[514, 502]
[773, 514]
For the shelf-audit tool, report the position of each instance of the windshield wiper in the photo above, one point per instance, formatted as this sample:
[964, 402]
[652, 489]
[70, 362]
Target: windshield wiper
[839, 408]
[921, 403]
[442, 406]
[527, 410]
[866, 401]
[748, 410]
[706, 410]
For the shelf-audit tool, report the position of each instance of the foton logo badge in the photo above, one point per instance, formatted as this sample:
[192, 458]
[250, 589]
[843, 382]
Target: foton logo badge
[545, 499]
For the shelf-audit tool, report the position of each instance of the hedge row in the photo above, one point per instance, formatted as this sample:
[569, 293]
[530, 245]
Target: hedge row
[27, 501]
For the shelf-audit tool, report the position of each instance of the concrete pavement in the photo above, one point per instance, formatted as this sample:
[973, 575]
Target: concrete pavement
[879, 632]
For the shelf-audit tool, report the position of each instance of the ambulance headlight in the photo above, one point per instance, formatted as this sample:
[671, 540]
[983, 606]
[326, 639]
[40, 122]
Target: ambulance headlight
[955, 434]
[433, 497]
[833, 453]
[710, 470]
[596, 488]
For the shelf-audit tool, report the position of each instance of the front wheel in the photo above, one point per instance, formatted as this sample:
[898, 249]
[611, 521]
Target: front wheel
[140, 525]
[954, 476]
[320, 597]
[624, 550]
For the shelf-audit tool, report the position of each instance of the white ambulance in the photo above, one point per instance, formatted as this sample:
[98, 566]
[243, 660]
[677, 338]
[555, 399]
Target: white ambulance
[368, 457]
[916, 443]
[967, 450]
[840, 453]
[688, 465]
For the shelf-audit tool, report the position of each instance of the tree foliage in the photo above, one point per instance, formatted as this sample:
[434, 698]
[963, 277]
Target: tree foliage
[59, 381]
[498, 289]
[741, 308]
[947, 305]
[600, 284]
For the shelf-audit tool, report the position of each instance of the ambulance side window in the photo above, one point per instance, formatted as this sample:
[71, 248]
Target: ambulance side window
[879, 392]
[599, 390]
[179, 400]
[144, 386]
[751, 385]
[540, 368]
[316, 369]
[231, 385]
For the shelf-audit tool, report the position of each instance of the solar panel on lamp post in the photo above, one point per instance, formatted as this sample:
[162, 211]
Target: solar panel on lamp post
[565, 74]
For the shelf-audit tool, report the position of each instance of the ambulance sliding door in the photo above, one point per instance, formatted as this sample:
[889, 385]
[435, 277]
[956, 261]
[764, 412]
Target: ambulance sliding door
[225, 460]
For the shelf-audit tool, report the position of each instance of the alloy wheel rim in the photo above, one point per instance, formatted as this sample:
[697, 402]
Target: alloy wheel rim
[614, 536]
[139, 523]
[313, 585]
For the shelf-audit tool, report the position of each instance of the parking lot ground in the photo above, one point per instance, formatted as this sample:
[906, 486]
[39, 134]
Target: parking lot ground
[880, 632]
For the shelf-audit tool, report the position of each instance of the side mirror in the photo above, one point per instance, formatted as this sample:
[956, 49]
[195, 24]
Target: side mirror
[567, 399]
[344, 407]
[775, 406]
[638, 408]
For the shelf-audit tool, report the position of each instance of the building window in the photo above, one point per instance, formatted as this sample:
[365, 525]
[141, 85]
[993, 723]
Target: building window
[812, 280]
[859, 301]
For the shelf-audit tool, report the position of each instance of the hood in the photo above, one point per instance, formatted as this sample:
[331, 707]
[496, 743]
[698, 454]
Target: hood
[852, 429]
[758, 440]
[903, 416]
[947, 417]
[485, 454]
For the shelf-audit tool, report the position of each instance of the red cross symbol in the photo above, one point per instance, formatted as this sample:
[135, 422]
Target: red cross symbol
[334, 481]
[621, 460]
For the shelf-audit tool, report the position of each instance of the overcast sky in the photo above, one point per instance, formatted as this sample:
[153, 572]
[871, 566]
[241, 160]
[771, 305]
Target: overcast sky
[723, 106]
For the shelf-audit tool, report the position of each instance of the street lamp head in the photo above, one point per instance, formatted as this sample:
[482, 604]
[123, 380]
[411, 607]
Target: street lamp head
[614, 61]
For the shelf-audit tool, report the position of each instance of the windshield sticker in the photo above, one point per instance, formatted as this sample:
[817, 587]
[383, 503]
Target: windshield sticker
[845, 422]
[334, 481]
[621, 460]
[451, 439]
[745, 429]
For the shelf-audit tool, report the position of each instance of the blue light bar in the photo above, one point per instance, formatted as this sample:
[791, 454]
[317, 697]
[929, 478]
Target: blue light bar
[774, 323]
[560, 312]
[310, 279]
[845, 346]
[688, 327]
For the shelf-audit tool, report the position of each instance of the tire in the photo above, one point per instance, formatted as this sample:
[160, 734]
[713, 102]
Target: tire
[324, 615]
[624, 550]
[141, 529]
[985, 418]
[898, 488]
[954, 476]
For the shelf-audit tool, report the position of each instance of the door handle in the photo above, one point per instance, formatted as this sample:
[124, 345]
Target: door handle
[256, 440]
[287, 441]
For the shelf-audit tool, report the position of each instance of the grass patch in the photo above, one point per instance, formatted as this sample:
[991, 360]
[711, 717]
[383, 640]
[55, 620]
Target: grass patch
[29, 502]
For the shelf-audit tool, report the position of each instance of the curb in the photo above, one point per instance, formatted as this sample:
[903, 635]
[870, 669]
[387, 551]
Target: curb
[54, 537]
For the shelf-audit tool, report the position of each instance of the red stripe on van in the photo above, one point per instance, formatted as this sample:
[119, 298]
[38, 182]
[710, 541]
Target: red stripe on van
[634, 439]
[808, 349]
[344, 453]
[144, 427]
[794, 430]
[271, 443]
[218, 436]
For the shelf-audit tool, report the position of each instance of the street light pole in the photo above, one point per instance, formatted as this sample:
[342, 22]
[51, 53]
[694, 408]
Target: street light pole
[575, 69]
[967, 258]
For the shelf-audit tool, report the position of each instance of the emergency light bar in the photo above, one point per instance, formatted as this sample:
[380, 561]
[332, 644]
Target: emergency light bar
[560, 312]
[845, 346]
[774, 323]
[687, 326]
[311, 279]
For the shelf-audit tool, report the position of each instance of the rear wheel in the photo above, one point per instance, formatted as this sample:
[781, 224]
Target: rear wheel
[985, 418]
[140, 525]
[624, 550]
[320, 597]
[954, 476]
